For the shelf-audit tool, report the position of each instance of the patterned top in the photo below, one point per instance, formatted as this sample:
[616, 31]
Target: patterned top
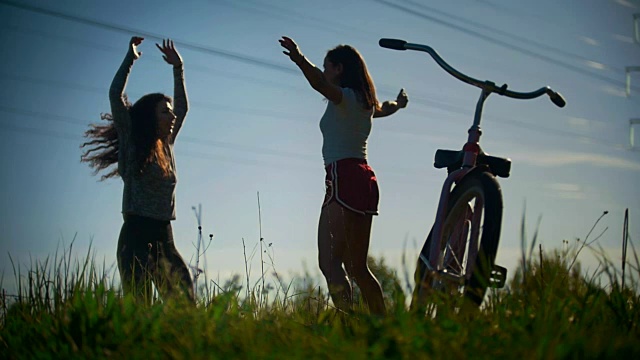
[345, 129]
[150, 193]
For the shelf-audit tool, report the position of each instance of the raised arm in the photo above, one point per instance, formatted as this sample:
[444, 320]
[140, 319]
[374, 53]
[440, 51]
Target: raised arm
[314, 76]
[180, 103]
[389, 107]
[119, 109]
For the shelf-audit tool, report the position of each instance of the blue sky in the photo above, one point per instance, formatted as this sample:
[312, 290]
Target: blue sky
[253, 120]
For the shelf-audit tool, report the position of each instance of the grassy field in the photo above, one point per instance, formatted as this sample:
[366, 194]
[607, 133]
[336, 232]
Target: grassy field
[549, 310]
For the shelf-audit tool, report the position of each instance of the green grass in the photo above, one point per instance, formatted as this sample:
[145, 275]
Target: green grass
[551, 309]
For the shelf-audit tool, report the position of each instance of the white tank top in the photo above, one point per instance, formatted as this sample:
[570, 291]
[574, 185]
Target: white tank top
[345, 129]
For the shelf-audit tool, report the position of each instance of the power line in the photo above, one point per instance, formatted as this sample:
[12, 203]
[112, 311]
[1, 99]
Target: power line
[258, 150]
[447, 108]
[191, 66]
[552, 49]
[184, 44]
[102, 91]
[74, 138]
[260, 62]
[262, 112]
[324, 24]
[42, 132]
[512, 12]
[196, 67]
[498, 42]
[41, 115]
[252, 161]
[286, 166]
[457, 109]
[93, 45]
[273, 10]
[186, 139]
[193, 46]
[54, 83]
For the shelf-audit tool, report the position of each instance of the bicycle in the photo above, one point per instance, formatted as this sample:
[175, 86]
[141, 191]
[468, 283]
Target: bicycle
[461, 261]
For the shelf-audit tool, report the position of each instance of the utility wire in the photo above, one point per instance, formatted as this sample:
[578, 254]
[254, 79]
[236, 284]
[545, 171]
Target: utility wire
[511, 11]
[279, 11]
[447, 108]
[111, 49]
[279, 67]
[193, 46]
[289, 87]
[187, 153]
[308, 164]
[42, 115]
[490, 29]
[37, 131]
[102, 91]
[323, 24]
[426, 103]
[192, 66]
[271, 9]
[501, 43]
[183, 138]
[183, 44]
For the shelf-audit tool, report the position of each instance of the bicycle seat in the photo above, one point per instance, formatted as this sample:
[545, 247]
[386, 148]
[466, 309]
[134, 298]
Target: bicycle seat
[452, 159]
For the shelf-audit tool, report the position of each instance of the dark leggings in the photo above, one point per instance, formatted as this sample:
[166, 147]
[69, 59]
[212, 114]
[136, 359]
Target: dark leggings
[146, 253]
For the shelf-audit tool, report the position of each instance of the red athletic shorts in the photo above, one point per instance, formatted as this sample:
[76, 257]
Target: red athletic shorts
[352, 183]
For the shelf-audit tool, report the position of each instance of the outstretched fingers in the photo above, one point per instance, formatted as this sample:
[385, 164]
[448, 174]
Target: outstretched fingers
[293, 52]
[164, 47]
[169, 52]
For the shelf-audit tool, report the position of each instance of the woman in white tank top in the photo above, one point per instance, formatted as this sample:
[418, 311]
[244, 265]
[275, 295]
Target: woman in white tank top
[351, 199]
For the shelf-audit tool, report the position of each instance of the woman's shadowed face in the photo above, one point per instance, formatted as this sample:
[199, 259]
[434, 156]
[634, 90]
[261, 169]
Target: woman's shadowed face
[332, 72]
[166, 119]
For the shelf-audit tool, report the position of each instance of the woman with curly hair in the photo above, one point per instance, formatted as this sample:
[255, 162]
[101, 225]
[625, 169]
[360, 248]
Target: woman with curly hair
[139, 138]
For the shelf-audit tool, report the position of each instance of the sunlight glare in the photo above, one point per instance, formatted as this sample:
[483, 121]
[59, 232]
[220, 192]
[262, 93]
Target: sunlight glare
[595, 65]
[590, 41]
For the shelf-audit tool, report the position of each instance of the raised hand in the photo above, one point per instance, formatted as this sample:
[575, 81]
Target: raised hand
[293, 51]
[133, 46]
[169, 53]
[402, 99]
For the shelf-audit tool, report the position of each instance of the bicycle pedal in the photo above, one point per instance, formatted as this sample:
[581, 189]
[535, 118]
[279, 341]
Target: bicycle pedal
[498, 277]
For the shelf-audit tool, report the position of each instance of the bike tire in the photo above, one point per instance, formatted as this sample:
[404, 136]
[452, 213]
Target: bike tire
[482, 184]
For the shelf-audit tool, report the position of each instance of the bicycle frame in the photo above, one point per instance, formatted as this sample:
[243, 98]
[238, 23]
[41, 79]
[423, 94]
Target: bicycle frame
[471, 151]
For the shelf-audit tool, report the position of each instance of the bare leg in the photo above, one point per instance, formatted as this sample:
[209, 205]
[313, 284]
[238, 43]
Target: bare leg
[332, 237]
[355, 260]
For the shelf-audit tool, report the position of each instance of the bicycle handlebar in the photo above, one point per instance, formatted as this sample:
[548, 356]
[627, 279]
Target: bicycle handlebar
[396, 44]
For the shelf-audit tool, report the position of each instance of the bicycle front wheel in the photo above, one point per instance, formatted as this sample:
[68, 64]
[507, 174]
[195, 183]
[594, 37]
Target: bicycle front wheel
[469, 242]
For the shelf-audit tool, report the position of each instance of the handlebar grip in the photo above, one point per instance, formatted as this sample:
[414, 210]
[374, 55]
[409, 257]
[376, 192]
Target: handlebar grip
[557, 99]
[394, 44]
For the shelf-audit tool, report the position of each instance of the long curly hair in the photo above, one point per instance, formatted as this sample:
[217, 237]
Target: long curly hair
[104, 146]
[354, 74]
